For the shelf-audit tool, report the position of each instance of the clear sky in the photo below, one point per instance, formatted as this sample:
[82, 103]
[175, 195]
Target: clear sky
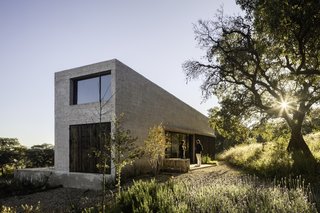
[41, 37]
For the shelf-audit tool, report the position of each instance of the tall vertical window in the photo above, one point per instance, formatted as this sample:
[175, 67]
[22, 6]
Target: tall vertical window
[92, 89]
[85, 139]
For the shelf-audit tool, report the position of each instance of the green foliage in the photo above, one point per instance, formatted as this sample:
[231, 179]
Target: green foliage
[268, 161]
[40, 156]
[264, 64]
[313, 140]
[271, 130]
[292, 25]
[272, 159]
[151, 197]
[14, 187]
[246, 194]
[154, 147]
[206, 159]
[312, 121]
[103, 154]
[123, 148]
[228, 126]
[120, 147]
[11, 155]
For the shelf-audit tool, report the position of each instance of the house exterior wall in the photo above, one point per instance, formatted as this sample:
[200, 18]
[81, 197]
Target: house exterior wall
[145, 104]
[67, 114]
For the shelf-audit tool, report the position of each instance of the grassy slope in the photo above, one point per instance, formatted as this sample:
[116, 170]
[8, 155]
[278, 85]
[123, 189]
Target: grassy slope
[271, 160]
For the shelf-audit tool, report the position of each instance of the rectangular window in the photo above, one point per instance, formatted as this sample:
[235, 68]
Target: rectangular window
[85, 141]
[174, 140]
[92, 89]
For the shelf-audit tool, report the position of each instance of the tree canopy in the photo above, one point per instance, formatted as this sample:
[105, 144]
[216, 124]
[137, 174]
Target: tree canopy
[264, 64]
[11, 153]
[228, 126]
[154, 147]
[40, 156]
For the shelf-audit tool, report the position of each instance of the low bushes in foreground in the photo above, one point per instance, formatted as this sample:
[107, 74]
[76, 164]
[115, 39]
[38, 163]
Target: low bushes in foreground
[13, 187]
[228, 194]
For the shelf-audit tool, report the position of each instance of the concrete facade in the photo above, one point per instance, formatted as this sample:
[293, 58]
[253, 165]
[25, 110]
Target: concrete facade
[67, 114]
[143, 103]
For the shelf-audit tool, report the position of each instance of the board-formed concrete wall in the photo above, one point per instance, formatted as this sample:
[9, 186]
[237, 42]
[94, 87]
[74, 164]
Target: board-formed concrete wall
[67, 114]
[145, 104]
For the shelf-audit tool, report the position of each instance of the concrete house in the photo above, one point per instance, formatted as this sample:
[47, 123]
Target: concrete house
[78, 93]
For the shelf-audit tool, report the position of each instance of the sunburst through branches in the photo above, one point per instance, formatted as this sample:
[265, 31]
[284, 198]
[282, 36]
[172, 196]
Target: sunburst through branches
[285, 106]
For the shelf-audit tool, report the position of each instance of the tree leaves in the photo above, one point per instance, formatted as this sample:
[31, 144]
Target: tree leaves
[255, 62]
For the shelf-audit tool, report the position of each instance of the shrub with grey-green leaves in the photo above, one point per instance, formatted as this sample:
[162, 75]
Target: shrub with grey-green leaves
[227, 194]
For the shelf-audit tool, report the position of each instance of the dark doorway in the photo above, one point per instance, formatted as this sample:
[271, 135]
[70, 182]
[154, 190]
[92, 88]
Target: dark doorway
[208, 144]
[84, 140]
[191, 149]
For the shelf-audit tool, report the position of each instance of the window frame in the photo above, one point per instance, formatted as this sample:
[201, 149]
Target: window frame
[74, 86]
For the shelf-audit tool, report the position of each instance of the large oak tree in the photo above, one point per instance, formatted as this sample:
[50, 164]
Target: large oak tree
[265, 63]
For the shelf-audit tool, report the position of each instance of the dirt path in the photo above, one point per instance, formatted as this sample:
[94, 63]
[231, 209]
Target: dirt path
[222, 169]
[64, 199]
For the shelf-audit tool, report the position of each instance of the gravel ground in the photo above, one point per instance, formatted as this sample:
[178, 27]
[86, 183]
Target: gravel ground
[55, 200]
[67, 199]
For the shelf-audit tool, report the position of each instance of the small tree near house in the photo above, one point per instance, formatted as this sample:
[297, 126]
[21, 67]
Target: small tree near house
[103, 156]
[119, 147]
[123, 149]
[154, 147]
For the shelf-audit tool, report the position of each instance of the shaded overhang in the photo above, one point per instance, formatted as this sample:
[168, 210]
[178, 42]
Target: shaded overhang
[189, 131]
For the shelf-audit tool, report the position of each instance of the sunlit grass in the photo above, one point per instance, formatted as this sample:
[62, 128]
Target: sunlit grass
[220, 194]
[313, 141]
[269, 160]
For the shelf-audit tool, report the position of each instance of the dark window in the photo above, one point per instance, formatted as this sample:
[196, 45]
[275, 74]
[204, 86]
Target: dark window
[84, 140]
[174, 139]
[92, 89]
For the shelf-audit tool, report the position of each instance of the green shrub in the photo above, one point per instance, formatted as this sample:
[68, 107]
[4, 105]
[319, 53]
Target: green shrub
[151, 197]
[207, 160]
[228, 194]
[12, 187]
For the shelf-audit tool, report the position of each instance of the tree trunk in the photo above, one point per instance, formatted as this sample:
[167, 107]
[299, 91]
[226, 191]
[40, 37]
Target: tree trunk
[297, 143]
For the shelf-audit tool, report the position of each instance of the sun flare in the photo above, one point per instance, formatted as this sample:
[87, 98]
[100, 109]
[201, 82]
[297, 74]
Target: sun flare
[284, 105]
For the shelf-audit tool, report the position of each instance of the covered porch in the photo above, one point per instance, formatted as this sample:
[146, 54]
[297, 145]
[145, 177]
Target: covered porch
[175, 136]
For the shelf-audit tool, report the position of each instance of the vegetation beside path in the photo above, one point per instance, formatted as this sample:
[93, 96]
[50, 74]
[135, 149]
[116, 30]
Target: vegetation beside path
[213, 189]
[216, 189]
[272, 159]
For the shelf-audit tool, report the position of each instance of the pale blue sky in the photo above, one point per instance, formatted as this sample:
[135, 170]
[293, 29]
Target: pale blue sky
[40, 37]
